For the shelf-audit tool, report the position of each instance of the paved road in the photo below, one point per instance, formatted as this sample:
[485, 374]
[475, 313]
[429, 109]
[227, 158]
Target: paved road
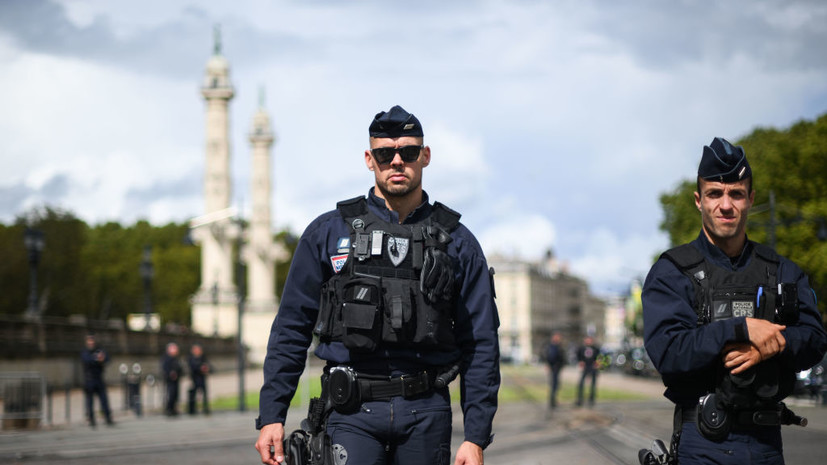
[611, 433]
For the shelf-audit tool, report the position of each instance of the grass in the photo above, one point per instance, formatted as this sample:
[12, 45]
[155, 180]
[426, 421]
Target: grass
[519, 384]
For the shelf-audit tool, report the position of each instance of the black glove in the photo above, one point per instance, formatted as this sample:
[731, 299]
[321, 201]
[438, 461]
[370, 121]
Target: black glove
[437, 279]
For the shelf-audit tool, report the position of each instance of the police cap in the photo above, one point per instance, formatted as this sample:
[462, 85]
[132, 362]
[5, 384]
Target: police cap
[395, 122]
[723, 162]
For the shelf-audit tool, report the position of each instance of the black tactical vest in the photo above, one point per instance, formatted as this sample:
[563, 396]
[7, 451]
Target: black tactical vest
[751, 292]
[376, 297]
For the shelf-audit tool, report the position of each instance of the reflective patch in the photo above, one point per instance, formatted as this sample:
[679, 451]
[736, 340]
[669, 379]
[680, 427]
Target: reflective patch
[338, 262]
[397, 249]
[721, 310]
[343, 245]
[339, 454]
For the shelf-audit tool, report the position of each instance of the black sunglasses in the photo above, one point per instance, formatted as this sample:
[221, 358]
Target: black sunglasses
[408, 153]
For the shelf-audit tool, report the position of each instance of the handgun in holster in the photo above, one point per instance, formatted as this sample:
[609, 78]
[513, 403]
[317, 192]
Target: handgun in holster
[311, 445]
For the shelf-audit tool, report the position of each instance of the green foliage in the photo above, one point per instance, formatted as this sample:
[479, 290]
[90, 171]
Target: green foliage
[95, 271]
[792, 164]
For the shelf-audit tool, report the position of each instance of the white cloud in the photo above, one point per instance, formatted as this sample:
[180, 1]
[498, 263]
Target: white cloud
[522, 235]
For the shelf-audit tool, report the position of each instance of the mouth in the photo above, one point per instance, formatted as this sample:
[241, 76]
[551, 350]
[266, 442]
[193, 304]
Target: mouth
[398, 177]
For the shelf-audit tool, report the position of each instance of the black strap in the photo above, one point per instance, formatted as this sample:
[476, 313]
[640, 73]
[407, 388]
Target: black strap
[445, 217]
[351, 208]
[692, 264]
[406, 386]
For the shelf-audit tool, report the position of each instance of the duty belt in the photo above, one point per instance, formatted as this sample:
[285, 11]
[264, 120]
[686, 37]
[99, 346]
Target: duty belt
[372, 387]
[742, 419]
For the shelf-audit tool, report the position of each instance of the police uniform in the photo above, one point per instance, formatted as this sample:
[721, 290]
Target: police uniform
[685, 336]
[402, 421]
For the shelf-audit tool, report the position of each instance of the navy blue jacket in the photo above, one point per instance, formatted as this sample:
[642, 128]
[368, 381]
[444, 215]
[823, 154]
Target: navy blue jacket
[685, 354]
[92, 367]
[476, 323]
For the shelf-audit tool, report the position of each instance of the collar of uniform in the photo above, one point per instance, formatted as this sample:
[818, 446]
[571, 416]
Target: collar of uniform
[714, 253]
[377, 204]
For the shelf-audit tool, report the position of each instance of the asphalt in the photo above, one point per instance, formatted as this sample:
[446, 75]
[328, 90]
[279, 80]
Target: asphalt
[526, 433]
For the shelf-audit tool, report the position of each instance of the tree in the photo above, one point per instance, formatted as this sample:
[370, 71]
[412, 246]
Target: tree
[791, 164]
[95, 271]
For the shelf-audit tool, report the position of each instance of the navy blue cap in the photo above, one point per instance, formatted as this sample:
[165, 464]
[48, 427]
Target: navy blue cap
[723, 162]
[395, 122]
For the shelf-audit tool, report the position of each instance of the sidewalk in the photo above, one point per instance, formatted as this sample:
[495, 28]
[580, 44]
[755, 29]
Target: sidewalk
[522, 431]
[226, 385]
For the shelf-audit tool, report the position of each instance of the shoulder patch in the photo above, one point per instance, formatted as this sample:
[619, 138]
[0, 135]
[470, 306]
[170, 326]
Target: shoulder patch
[343, 244]
[338, 262]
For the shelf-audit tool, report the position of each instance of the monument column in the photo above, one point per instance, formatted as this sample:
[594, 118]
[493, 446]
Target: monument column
[214, 306]
[261, 252]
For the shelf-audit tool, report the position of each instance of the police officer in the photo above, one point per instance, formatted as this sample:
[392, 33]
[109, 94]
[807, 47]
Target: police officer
[401, 298]
[587, 355]
[171, 366]
[199, 368]
[555, 359]
[94, 359]
[727, 323]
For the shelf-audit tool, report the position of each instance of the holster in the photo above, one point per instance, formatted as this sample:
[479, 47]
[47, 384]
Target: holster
[297, 448]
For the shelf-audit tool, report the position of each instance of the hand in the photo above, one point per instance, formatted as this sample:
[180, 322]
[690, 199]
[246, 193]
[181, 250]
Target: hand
[766, 337]
[469, 454]
[741, 356]
[271, 435]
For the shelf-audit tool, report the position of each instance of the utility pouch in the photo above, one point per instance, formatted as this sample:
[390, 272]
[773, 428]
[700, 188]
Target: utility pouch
[399, 320]
[328, 304]
[361, 314]
[787, 310]
[343, 389]
[714, 422]
[434, 325]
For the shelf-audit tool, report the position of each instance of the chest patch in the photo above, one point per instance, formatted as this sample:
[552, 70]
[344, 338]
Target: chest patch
[338, 262]
[397, 249]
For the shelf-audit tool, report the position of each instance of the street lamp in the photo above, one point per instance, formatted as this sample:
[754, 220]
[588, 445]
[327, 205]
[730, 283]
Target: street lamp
[147, 273]
[242, 291]
[33, 239]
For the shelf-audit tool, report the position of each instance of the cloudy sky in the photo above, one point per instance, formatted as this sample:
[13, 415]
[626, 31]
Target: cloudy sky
[553, 124]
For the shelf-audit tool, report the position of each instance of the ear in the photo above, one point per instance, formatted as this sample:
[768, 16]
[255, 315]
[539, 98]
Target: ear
[426, 156]
[369, 160]
[698, 200]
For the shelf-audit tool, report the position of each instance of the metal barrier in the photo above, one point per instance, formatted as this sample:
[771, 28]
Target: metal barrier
[21, 398]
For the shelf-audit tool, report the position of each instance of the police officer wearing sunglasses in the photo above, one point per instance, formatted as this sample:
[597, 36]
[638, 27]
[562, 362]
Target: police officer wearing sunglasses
[401, 299]
[727, 323]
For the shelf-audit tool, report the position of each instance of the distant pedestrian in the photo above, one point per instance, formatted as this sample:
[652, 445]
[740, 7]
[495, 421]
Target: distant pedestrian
[555, 359]
[171, 366]
[199, 369]
[94, 360]
[587, 360]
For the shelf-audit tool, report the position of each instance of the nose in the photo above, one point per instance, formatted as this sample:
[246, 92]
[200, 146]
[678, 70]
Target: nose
[397, 159]
[726, 202]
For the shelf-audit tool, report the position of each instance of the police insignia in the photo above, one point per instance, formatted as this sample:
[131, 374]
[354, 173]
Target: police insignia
[397, 249]
[338, 262]
[343, 244]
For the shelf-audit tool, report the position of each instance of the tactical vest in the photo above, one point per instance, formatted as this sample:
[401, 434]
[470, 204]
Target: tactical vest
[751, 292]
[376, 297]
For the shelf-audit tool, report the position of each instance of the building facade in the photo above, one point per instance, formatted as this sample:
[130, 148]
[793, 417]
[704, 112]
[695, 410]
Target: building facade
[536, 299]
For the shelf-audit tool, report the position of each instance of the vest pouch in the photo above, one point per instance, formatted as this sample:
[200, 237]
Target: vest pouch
[734, 302]
[361, 326]
[399, 322]
[361, 314]
[434, 325]
[328, 304]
